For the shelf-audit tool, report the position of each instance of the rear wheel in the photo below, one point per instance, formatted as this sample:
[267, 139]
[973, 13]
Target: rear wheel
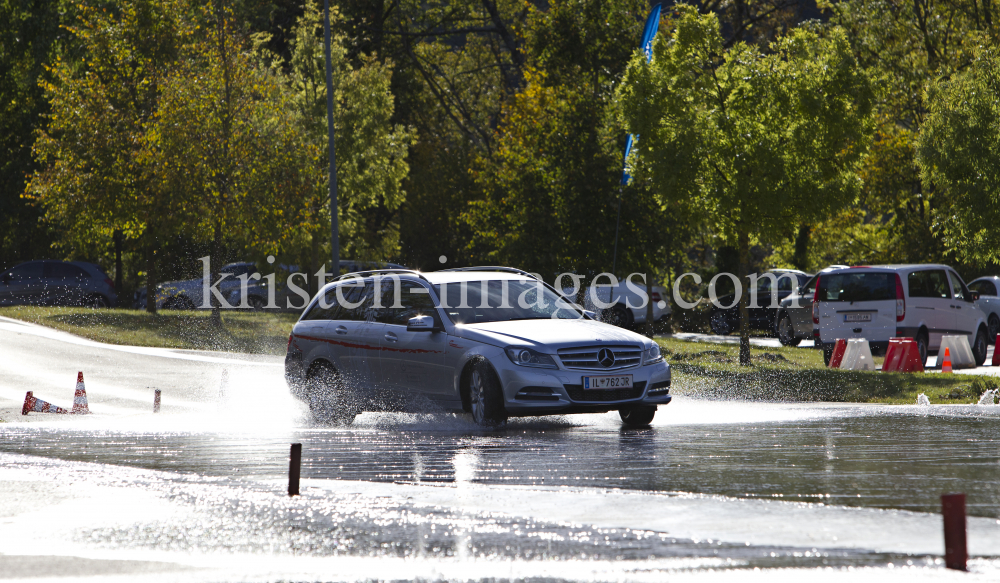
[922, 346]
[827, 355]
[991, 335]
[619, 316]
[486, 396]
[256, 303]
[786, 332]
[328, 400]
[97, 302]
[637, 416]
[979, 346]
[720, 324]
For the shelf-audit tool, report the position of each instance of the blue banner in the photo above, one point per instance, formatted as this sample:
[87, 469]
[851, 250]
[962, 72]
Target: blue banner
[648, 34]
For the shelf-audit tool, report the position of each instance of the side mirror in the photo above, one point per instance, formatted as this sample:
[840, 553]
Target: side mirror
[973, 295]
[421, 324]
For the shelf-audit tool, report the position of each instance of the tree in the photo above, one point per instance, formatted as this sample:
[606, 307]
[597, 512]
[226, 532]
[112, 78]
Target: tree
[228, 149]
[95, 177]
[958, 152]
[371, 151]
[763, 142]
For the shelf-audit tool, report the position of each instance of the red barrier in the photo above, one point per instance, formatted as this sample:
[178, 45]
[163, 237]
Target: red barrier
[953, 510]
[996, 351]
[838, 353]
[903, 355]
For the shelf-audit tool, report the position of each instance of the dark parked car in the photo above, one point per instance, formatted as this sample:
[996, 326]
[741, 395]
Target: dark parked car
[57, 283]
[794, 321]
[726, 320]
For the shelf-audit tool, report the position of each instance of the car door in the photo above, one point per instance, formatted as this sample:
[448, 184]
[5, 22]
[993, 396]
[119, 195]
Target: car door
[989, 303]
[64, 283]
[801, 316]
[930, 296]
[23, 285]
[412, 362]
[966, 315]
[356, 334]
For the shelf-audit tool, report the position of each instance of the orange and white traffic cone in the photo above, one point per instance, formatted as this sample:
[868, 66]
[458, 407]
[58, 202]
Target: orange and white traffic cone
[80, 397]
[38, 405]
[946, 363]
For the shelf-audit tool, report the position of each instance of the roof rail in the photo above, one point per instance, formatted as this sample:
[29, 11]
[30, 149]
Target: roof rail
[492, 268]
[368, 272]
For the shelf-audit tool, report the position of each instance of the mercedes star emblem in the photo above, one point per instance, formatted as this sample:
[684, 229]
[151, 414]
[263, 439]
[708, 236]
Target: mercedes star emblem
[606, 357]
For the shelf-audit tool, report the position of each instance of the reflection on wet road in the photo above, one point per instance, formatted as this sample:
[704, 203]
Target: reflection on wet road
[903, 460]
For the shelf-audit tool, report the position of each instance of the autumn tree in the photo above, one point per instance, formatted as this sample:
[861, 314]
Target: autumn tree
[762, 141]
[959, 154]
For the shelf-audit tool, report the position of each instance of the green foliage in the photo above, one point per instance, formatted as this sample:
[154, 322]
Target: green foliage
[959, 153]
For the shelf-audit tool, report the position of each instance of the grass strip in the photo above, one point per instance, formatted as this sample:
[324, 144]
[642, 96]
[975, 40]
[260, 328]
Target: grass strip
[241, 331]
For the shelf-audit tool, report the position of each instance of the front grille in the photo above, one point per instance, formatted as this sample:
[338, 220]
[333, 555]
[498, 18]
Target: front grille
[586, 357]
[578, 394]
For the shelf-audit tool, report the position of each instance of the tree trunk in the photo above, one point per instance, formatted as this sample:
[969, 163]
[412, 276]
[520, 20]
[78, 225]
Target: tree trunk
[800, 260]
[215, 265]
[744, 272]
[314, 264]
[150, 276]
[118, 263]
[649, 305]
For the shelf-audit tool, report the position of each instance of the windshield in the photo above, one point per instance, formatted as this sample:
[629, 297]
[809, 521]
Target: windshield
[472, 302]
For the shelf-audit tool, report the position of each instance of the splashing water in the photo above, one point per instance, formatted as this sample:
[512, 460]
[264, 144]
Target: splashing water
[989, 397]
[923, 400]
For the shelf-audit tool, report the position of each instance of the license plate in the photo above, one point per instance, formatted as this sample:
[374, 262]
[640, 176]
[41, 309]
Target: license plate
[857, 317]
[608, 382]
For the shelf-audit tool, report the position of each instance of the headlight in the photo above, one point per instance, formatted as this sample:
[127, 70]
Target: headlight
[653, 354]
[528, 357]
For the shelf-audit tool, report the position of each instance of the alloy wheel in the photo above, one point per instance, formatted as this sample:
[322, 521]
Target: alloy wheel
[477, 397]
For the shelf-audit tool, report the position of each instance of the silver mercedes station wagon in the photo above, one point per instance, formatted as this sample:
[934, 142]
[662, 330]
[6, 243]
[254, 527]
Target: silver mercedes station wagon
[491, 341]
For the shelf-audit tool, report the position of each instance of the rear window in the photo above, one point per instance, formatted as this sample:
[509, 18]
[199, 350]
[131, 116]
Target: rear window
[856, 286]
[984, 288]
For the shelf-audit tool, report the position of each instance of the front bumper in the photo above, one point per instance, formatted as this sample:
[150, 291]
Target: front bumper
[533, 391]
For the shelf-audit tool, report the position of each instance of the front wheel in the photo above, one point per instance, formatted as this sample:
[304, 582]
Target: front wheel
[486, 396]
[621, 317]
[786, 332]
[979, 347]
[637, 416]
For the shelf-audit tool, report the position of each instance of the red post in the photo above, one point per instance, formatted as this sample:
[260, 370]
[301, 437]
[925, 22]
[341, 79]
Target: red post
[156, 401]
[955, 552]
[294, 463]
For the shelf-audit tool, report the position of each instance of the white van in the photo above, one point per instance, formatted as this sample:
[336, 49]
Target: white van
[923, 302]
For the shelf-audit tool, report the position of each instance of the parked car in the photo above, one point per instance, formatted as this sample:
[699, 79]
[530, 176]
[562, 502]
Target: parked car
[189, 294]
[494, 342]
[57, 283]
[924, 302]
[726, 320]
[626, 307]
[793, 321]
[989, 303]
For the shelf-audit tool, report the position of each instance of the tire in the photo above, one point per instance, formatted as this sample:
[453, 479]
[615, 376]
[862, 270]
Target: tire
[328, 400]
[786, 332]
[486, 396]
[178, 303]
[979, 346]
[922, 342]
[719, 323]
[637, 416]
[827, 355]
[994, 329]
[619, 316]
[256, 303]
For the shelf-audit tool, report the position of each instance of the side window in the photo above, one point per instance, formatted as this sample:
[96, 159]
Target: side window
[319, 312]
[985, 288]
[928, 284]
[961, 292]
[810, 287]
[58, 270]
[785, 283]
[414, 300]
[358, 312]
[27, 271]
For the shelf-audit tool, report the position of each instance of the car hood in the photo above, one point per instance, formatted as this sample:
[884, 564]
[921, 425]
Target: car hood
[548, 335]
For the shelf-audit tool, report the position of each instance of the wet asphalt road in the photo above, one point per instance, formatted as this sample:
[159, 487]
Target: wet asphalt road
[229, 442]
